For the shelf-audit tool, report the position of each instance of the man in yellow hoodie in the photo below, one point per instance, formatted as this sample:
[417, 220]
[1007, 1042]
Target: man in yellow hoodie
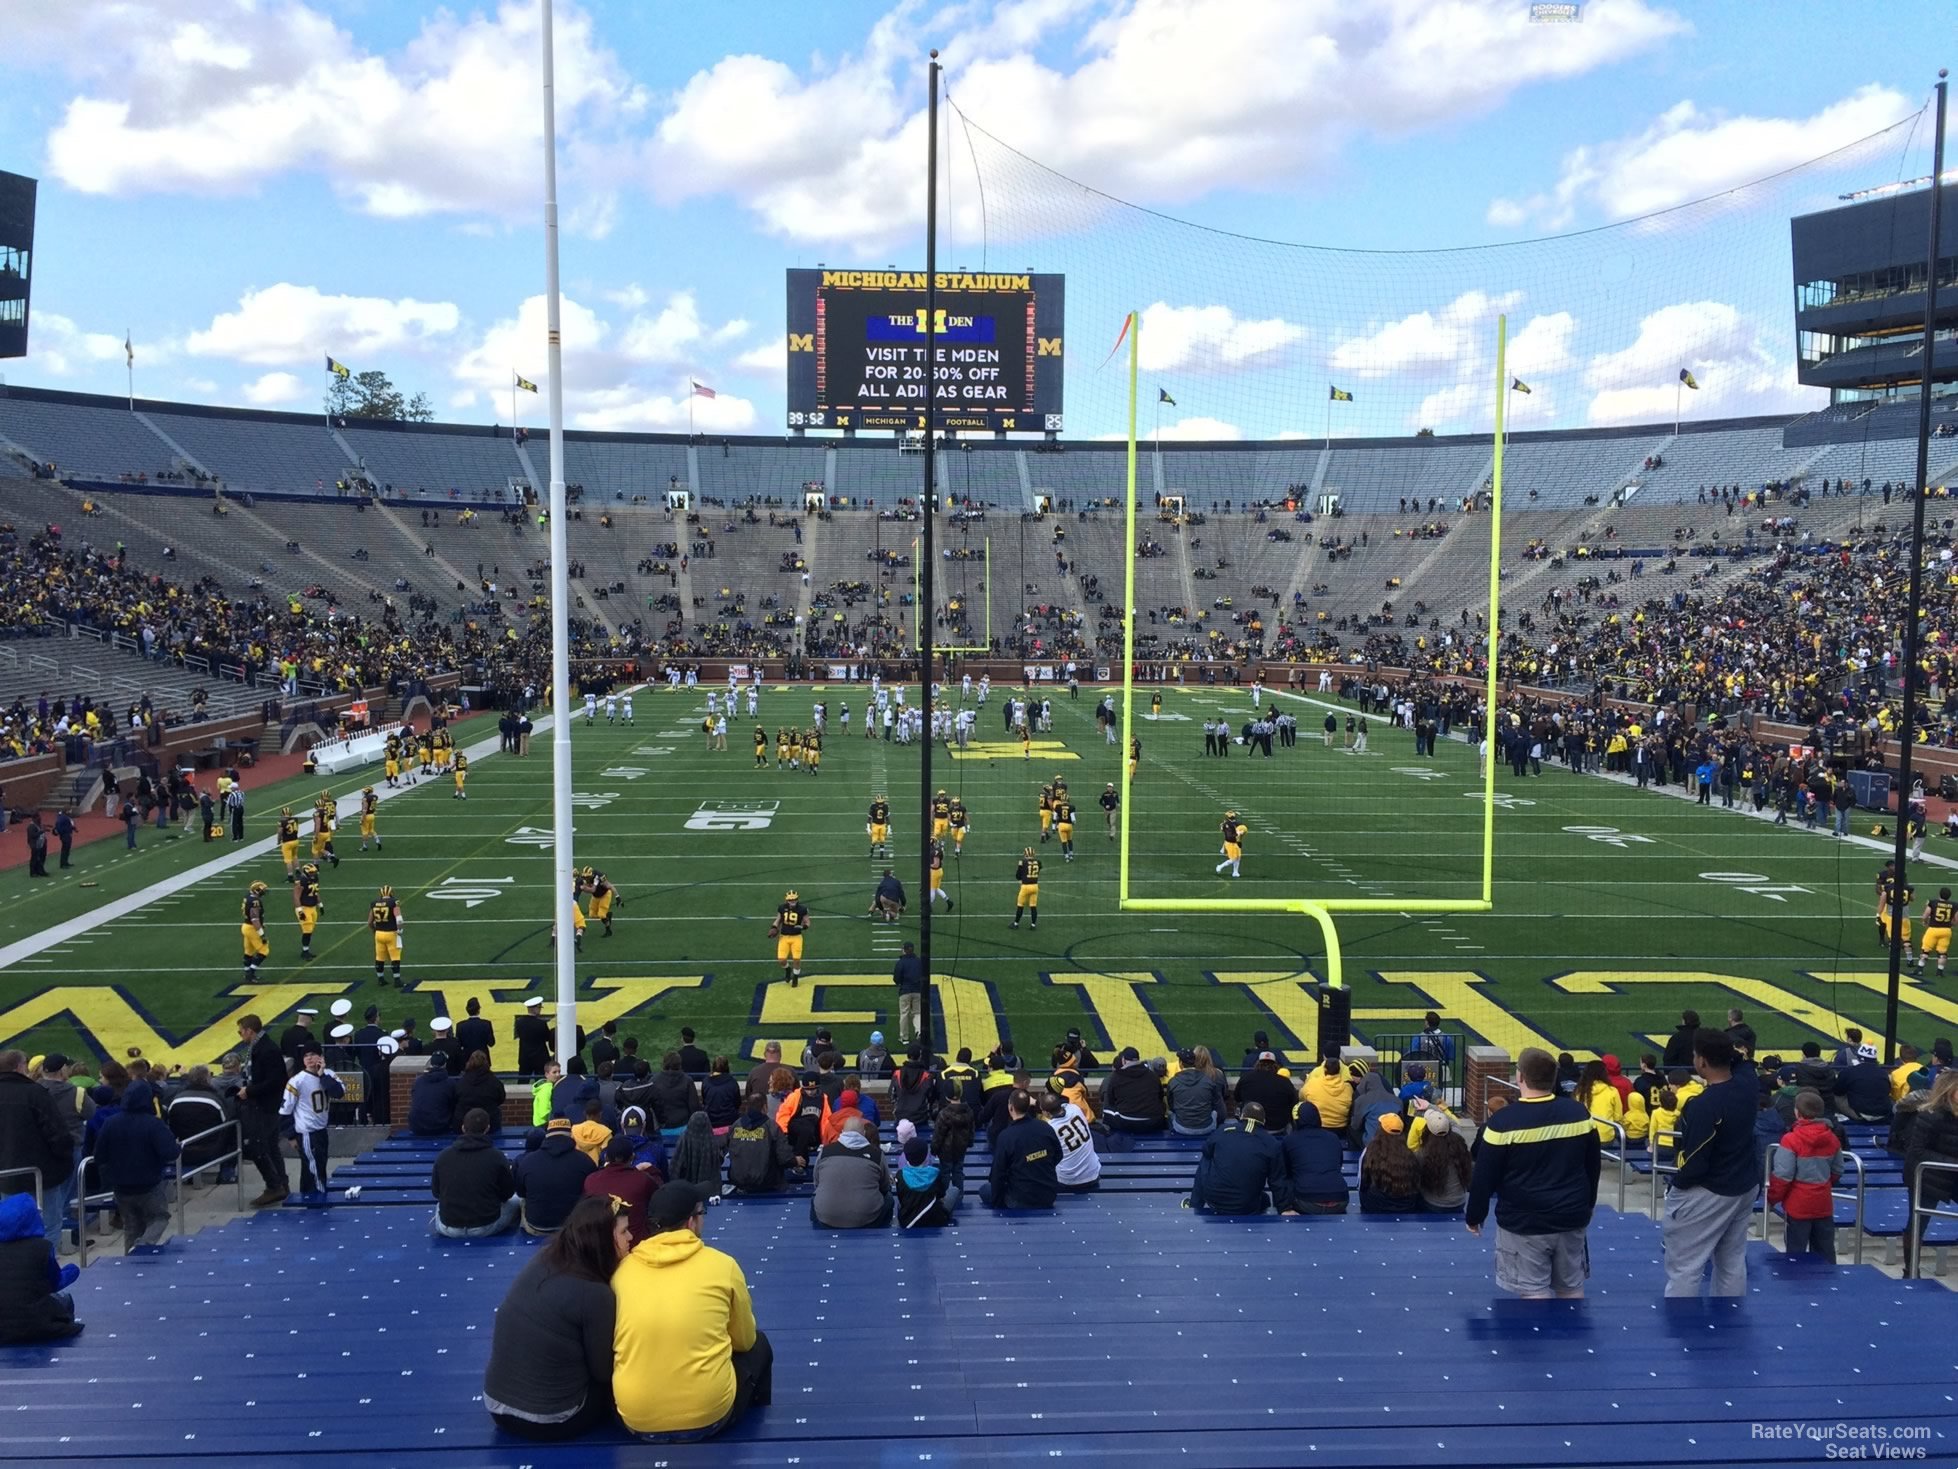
[688, 1359]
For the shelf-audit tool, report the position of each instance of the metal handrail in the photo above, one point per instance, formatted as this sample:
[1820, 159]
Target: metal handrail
[1859, 1194]
[1659, 1168]
[1617, 1157]
[21, 1172]
[1913, 1243]
[83, 1198]
[236, 1155]
[80, 1205]
[1489, 1081]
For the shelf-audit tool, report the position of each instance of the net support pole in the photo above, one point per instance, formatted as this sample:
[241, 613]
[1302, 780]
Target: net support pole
[1495, 606]
[565, 955]
[1127, 731]
[927, 566]
[1907, 725]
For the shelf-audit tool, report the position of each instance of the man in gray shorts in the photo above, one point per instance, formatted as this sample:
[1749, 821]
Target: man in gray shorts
[1538, 1158]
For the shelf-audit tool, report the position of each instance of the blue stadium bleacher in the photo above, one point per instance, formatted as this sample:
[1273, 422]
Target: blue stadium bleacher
[1117, 1324]
[428, 465]
[93, 439]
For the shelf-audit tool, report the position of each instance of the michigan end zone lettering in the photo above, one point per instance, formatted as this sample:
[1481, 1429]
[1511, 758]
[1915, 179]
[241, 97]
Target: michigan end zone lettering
[858, 356]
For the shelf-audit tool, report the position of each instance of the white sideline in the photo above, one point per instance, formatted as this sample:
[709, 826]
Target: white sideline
[71, 928]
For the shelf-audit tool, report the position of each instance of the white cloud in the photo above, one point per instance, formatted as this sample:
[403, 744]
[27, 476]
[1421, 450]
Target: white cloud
[1168, 100]
[636, 408]
[1740, 370]
[254, 91]
[60, 348]
[1210, 338]
[772, 357]
[1425, 342]
[1542, 346]
[286, 323]
[631, 297]
[273, 389]
[462, 398]
[1197, 428]
[1687, 153]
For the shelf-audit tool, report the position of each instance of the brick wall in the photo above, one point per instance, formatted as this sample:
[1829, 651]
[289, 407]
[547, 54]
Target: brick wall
[401, 1080]
[1484, 1062]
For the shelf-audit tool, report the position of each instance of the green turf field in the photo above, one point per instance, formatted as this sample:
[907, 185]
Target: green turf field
[1614, 908]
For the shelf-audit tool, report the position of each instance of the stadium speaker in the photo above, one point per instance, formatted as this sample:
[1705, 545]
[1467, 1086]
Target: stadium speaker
[1335, 1017]
[1948, 787]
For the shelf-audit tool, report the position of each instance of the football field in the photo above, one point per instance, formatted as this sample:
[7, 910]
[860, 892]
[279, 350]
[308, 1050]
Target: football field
[1614, 908]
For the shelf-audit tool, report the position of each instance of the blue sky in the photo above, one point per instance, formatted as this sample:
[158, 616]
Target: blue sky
[246, 186]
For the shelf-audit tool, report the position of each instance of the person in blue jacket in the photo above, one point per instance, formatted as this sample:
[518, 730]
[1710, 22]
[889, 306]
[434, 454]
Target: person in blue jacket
[34, 1300]
[1242, 1170]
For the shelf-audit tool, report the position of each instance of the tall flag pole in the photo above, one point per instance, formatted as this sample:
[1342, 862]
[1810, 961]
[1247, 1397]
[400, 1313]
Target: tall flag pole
[1686, 380]
[129, 351]
[562, 868]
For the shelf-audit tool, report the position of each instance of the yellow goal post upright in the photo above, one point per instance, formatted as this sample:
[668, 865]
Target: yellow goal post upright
[922, 614]
[1324, 909]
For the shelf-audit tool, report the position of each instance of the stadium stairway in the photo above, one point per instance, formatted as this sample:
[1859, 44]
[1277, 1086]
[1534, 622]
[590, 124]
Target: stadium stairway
[1116, 1325]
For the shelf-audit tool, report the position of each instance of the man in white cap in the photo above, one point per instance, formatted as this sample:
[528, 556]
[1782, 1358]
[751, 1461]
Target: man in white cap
[441, 1042]
[533, 1037]
[297, 1036]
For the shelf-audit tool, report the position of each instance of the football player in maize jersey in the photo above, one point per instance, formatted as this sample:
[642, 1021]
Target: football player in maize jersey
[603, 895]
[761, 748]
[1064, 823]
[1893, 895]
[781, 747]
[306, 904]
[370, 803]
[1135, 757]
[941, 815]
[877, 826]
[426, 752]
[791, 923]
[325, 813]
[812, 747]
[251, 929]
[461, 771]
[1027, 874]
[938, 878]
[393, 758]
[384, 919]
[289, 841]
[1938, 914]
[1233, 831]
[1046, 804]
[960, 821]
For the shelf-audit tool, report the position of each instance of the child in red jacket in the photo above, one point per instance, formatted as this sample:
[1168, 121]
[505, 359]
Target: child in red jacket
[1807, 1166]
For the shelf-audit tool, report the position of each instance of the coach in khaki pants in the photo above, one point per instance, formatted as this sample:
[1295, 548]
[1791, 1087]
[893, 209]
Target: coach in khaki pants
[909, 977]
[1712, 1196]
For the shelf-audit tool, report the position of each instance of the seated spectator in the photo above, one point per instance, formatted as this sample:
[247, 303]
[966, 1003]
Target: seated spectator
[758, 1152]
[551, 1179]
[198, 1107]
[689, 1359]
[922, 1189]
[803, 1115]
[1390, 1181]
[1863, 1090]
[853, 1191]
[34, 1301]
[1026, 1158]
[671, 1097]
[1664, 1132]
[1242, 1170]
[1638, 1122]
[133, 1154]
[1442, 1164]
[697, 1156]
[1276, 1094]
[866, 1103]
[473, 1183]
[1372, 1101]
[1068, 1085]
[913, 1091]
[1079, 1169]
[1933, 1139]
[845, 1112]
[1330, 1092]
[1807, 1167]
[1132, 1097]
[479, 1089]
[1260, 1043]
[720, 1096]
[1597, 1096]
[550, 1364]
[1416, 1087]
[648, 1148]
[1196, 1099]
[618, 1178]
[1314, 1158]
[874, 1061]
[432, 1100]
[591, 1134]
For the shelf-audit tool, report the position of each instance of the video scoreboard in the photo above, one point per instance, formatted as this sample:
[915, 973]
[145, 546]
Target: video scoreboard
[857, 350]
